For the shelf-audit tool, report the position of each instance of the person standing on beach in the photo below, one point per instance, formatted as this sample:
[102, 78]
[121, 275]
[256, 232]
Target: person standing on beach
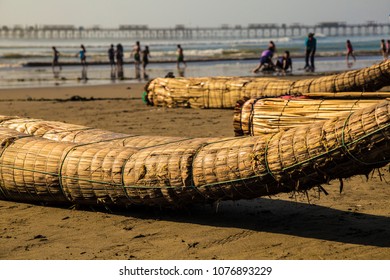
[388, 48]
[83, 60]
[119, 60]
[111, 57]
[136, 53]
[83, 56]
[180, 57]
[311, 46]
[384, 50]
[350, 51]
[56, 55]
[145, 60]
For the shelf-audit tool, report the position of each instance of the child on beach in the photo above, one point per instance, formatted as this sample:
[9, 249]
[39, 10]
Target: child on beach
[284, 63]
[272, 47]
[350, 51]
[384, 50]
[56, 55]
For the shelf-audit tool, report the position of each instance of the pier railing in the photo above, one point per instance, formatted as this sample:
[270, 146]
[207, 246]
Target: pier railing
[178, 32]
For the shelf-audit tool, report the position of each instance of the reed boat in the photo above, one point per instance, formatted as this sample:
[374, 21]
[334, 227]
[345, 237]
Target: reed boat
[224, 92]
[261, 116]
[103, 171]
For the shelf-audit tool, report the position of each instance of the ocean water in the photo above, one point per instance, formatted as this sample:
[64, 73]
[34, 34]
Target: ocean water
[210, 58]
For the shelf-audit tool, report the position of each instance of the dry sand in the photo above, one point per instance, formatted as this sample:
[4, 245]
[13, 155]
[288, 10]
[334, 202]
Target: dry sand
[352, 225]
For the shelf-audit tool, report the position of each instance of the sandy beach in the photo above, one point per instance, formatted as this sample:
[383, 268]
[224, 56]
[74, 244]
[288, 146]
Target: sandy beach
[354, 224]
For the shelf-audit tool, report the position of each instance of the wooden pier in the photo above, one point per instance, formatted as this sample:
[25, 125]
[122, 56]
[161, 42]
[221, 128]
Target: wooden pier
[181, 32]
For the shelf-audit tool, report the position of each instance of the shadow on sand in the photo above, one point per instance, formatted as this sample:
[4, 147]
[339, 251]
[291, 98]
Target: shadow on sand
[272, 216]
[282, 217]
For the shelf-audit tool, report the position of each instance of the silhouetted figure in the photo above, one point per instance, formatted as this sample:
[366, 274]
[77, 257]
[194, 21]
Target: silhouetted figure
[272, 47]
[383, 50]
[55, 62]
[284, 63]
[83, 56]
[350, 53]
[111, 56]
[311, 47]
[145, 60]
[119, 60]
[136, 52]
[388, 48]
[180, 57]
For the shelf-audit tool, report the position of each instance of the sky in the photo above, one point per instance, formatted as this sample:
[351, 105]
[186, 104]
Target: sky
[191, 13]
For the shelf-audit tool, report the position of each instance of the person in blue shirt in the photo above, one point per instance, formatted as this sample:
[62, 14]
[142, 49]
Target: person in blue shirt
[83, 60]
[311, 46]
[83, 56]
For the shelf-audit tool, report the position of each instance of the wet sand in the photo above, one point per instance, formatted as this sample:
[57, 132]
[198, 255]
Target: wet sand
[352, 225]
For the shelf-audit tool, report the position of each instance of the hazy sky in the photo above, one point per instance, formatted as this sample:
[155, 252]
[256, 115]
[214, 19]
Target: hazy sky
[192, 13]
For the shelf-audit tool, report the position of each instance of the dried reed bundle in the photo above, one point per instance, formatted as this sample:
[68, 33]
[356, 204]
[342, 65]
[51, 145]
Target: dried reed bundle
[271, 115]
[60, 131]
[224, 92]
[193, 170]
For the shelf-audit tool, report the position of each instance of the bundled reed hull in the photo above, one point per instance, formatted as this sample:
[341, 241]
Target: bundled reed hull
[193, 170]
[60, 131]
[271, 115]
[224, 92]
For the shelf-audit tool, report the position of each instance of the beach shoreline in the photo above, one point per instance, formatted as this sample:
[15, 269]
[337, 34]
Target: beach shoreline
[221, 58]
[104, 74]
[28, 63]
[351, 225]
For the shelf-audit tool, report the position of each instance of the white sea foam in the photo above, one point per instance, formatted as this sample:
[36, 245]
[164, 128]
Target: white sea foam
[10, 65]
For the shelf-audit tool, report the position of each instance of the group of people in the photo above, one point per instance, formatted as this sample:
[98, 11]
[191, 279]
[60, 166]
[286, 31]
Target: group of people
[141, 57]
[116, 59]
[82, 54]
[384, 49]
[283, 64]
